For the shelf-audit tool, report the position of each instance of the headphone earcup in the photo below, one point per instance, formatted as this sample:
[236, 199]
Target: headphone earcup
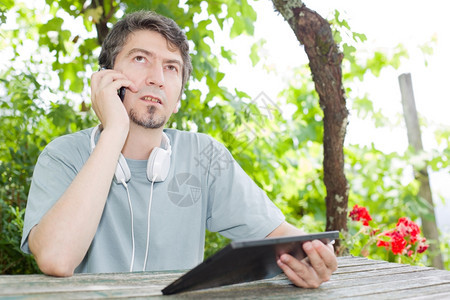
[158, 165]
[122, 173]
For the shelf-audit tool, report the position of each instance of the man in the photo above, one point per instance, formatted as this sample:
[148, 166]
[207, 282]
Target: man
[87, 213]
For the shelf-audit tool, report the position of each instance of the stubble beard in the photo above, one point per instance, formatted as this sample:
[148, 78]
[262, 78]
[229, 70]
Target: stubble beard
[150, 121]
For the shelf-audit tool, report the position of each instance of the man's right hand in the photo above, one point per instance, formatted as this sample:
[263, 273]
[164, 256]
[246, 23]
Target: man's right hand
[106, 103]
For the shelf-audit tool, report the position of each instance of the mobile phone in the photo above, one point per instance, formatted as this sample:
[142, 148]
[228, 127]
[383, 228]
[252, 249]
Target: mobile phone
[121, 93]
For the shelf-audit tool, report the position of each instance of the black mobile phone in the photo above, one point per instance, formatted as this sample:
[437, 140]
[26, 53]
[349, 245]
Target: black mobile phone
[121, 93]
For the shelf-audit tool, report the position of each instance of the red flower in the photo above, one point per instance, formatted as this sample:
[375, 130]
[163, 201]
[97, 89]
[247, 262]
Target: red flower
[404, 239]
[381, 243]
[407, 228]
[405, 234]
[396, 244]
[422, 246]
[360, 214]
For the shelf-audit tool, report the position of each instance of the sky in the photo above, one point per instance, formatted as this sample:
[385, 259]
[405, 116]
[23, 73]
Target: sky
[385, 24]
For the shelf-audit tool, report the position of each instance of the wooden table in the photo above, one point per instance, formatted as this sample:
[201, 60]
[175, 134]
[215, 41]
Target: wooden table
[356, 278]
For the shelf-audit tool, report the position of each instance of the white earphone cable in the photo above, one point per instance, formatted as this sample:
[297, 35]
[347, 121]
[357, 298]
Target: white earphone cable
[148, 223]
[132, 225]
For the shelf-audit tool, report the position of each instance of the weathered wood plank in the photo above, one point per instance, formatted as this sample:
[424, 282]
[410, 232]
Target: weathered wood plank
[352, 260]
[410, 286]
[439, 292]
[89, 285]
[337, 281]
[378, 272]
[445, 294]
[373, 267]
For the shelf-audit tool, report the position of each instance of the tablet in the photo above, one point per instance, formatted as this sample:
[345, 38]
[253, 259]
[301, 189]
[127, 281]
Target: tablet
[244, 261]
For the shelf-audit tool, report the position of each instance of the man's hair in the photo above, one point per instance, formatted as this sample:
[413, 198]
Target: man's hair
[145, 20]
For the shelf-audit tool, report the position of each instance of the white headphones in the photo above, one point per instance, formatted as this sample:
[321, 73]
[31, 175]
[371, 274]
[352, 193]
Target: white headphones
[158, 163]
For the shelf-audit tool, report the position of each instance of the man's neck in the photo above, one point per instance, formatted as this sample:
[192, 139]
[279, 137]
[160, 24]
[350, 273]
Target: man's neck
[141, 141]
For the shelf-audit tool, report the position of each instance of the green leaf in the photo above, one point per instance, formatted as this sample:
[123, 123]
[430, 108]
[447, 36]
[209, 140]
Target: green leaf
[359, 36]
[254, 51]
[52, 25]
[227, 54]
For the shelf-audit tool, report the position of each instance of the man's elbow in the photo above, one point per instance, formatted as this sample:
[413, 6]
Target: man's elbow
[54, 266]
[51, 260]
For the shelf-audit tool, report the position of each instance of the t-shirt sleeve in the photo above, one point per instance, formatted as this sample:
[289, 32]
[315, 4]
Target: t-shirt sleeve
[52, 175]
[237, 207]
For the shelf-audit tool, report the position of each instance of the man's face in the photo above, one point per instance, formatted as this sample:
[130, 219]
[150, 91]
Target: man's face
[156, 69]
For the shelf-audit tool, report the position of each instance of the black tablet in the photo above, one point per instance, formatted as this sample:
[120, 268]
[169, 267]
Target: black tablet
[244, 261]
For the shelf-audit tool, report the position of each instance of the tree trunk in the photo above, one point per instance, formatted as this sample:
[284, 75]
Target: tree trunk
[429, 226]
[102, 24]
[325, 60]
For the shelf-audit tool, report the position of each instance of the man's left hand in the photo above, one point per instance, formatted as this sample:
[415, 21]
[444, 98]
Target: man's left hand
[316, 268]
[313, 270]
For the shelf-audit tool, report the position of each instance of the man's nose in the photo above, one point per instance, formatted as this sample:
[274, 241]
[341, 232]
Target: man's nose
[155, 76]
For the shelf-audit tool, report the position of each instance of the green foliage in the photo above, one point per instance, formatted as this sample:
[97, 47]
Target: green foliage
[5, 5]
[379, 184]
[440, 159]
[12, 260]
[254, 56]
[28, 124]
[445, 250]
[214, 242]
[382, 182]
[427, 48]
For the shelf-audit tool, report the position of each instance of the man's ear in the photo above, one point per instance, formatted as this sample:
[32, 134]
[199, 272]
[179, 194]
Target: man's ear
[177, 107]
[175, 110]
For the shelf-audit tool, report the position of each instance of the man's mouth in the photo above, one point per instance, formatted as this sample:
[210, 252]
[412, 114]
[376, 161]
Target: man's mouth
[151, 99]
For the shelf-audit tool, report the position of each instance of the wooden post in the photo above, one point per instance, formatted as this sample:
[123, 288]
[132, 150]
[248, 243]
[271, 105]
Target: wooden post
[429, 226]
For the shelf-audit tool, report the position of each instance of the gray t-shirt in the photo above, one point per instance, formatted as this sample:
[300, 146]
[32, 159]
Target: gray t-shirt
[205, 189]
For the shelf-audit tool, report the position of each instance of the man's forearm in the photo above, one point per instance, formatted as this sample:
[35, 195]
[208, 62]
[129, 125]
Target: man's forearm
[285, 229]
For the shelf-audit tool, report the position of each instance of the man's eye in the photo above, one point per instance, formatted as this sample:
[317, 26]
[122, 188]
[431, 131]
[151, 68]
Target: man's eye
[172, 68]
[139, 59]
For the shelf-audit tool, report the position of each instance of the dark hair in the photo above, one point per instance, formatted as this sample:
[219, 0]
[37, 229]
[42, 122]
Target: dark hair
[145, 20]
